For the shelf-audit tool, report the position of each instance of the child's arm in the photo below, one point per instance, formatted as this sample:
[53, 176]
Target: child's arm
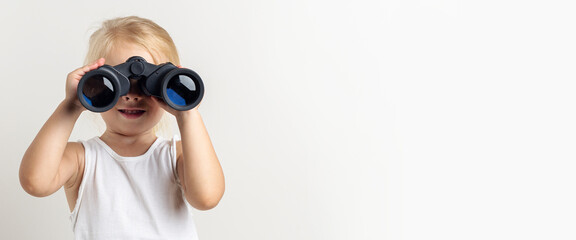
[198, 166]
[50, 161]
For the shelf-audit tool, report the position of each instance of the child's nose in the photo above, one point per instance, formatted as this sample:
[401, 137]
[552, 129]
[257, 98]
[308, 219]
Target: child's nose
[135, 92]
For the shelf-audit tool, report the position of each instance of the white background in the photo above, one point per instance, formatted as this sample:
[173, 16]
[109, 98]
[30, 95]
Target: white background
[335, 120]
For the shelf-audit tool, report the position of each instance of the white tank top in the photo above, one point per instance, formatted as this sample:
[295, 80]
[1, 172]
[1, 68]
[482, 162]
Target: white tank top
[131, 197]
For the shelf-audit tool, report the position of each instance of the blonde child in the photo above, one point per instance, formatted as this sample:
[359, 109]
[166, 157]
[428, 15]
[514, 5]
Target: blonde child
[128, 183]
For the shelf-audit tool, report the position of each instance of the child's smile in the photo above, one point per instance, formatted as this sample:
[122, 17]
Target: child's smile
[131, 113]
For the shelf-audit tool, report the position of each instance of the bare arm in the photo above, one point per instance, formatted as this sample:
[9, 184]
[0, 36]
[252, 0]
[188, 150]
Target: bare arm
[50, 161]
[45, 167]
[198, 166]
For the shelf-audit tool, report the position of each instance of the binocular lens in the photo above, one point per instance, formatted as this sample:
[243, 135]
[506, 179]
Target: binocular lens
[181, 90]
[98, 91]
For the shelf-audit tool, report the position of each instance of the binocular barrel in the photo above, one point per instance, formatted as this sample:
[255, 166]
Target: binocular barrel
[180, 88]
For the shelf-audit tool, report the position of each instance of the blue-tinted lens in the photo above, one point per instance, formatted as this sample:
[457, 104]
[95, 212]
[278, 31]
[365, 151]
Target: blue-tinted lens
[181, 90]
[98, 91]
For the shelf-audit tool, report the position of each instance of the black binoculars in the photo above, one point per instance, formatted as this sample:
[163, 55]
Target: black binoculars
[180, 88]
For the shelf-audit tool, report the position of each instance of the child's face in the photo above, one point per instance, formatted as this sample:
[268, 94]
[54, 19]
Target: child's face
[134, 113]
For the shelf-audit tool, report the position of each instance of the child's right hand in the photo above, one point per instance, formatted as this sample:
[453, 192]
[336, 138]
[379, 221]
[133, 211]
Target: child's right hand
[72, 83]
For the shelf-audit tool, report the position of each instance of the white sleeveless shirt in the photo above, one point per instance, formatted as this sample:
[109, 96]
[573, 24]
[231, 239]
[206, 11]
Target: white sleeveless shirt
[131, 197]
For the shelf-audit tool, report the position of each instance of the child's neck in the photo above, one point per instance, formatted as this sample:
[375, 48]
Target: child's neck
[129, 146]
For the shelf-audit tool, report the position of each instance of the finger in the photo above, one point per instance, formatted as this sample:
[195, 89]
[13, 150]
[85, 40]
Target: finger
[101, 61]
[98, 63]
[87, 68]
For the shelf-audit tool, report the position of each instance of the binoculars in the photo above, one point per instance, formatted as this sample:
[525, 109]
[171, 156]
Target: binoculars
[180, 88]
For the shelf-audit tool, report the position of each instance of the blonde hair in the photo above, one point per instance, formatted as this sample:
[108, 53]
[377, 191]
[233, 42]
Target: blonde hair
[134, 30]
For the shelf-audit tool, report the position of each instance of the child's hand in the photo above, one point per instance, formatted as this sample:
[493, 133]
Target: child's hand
[72, 83]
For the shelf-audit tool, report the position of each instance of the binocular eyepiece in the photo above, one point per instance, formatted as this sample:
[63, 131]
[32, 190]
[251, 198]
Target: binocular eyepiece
[180, 88]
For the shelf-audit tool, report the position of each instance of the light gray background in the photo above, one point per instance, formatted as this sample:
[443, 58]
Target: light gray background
[411, 119]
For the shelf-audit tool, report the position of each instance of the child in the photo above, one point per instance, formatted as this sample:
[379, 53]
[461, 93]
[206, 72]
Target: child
[127, 183]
